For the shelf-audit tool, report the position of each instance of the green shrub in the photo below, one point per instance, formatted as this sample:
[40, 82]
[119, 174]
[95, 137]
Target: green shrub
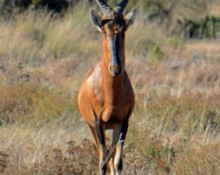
[208, 27]
[55, 5]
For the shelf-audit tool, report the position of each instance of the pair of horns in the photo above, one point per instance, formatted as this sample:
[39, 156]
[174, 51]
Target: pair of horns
[106, 9]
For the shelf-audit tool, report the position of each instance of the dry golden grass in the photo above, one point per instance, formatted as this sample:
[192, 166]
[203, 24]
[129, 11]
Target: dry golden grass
[175, 128]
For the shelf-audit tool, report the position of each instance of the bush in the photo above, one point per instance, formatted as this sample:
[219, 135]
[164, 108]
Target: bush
[55, 5]
[208, 27]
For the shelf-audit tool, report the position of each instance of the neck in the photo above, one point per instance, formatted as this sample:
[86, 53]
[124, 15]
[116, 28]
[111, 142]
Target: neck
[113, 86]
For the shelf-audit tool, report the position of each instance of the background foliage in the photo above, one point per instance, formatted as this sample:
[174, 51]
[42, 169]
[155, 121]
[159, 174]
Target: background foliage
[186, 18]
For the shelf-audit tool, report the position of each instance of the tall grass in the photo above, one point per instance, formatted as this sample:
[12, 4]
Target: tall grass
[36, 37]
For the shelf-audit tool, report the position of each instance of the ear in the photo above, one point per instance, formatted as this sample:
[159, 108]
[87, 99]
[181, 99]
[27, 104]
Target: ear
[130, 17]
[96, 19]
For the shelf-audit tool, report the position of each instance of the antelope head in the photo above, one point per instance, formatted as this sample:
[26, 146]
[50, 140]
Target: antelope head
[113, 25]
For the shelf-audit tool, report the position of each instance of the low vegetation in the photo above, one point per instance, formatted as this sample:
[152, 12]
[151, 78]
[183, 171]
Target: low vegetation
[175, 127]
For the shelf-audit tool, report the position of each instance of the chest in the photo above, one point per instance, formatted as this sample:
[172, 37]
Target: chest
[111, 99]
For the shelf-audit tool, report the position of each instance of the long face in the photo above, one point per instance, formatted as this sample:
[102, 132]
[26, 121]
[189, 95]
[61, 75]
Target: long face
[114, 39]
[113, 28]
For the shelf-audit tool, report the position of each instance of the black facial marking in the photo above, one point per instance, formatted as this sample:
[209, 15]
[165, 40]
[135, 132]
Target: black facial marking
[115, 50]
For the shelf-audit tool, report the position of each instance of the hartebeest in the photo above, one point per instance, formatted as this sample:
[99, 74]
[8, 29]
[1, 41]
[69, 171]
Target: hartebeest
[106, 98]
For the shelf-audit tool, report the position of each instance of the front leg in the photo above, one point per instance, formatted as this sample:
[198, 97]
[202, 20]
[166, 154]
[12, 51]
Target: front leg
[119, 135]
[119, 148]
[98, 134]
[100, 137]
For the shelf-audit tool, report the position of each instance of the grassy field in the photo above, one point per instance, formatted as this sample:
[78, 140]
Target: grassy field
[175, 127]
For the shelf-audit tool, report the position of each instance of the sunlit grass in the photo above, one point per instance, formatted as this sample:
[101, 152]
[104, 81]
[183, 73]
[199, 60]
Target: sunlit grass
[37, 37]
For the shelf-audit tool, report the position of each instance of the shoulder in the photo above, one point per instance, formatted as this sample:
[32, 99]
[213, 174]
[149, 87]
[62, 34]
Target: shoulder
[94, 76]
[129, 89]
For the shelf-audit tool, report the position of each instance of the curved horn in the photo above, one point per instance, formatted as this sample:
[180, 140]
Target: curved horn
[121, 6]
[106, 9]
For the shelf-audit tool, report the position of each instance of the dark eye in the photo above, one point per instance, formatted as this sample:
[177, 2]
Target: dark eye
[106, 21]
[103, 31]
